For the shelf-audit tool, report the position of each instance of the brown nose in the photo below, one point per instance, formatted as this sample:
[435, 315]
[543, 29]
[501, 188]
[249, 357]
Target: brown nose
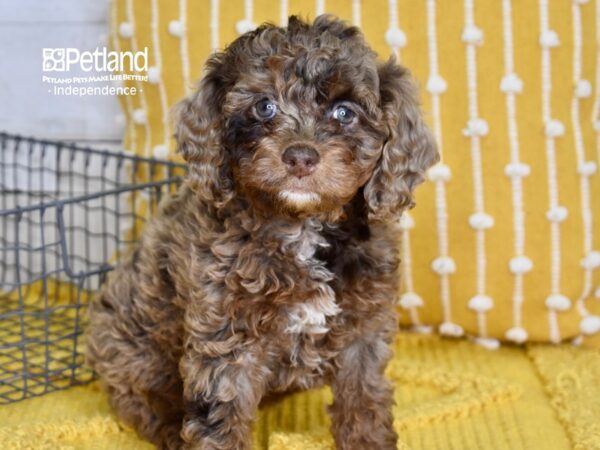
[300, 160]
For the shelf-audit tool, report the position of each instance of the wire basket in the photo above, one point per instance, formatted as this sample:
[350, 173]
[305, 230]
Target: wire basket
[67, 216]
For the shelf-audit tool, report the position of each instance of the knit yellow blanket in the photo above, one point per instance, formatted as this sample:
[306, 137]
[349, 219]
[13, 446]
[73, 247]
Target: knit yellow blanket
[449, 395]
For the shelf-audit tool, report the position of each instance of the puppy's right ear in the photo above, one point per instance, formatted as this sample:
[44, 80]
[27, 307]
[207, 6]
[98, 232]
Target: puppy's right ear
[198, 130]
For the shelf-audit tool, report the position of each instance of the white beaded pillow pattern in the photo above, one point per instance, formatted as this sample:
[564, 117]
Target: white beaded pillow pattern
[504, 242]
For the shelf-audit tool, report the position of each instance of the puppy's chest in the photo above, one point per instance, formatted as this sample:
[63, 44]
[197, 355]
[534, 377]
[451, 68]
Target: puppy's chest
[309, 316]
[291, 291]
[305, 339]
[313, 302]
[281, 273]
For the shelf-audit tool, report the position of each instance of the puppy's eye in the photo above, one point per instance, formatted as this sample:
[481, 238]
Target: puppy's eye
[343, 114]
[266, 109]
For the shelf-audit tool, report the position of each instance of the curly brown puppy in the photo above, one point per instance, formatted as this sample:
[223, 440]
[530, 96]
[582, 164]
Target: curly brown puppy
[274, 268]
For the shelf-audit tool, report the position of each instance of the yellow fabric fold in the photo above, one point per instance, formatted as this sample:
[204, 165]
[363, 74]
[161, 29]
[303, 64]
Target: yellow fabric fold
[449, 394]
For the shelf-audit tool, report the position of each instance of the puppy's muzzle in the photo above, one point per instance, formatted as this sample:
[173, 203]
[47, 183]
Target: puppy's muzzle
[300, 160]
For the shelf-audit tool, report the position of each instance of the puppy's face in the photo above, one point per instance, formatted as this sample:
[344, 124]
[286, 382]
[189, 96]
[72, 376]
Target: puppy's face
[304, 130]
[300, 120]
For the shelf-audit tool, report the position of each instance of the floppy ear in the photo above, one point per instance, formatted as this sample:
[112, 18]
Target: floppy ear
[408, 151]
[198, 130]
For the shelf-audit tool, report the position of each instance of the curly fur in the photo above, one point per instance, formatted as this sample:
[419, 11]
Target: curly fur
[236, 292]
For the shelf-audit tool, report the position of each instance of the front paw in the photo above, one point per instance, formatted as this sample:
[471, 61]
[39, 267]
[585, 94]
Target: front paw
[365, 437]
[215, 427]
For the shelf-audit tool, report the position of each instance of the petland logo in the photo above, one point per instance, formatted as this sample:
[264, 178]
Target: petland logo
[100, 60]
[72, 72]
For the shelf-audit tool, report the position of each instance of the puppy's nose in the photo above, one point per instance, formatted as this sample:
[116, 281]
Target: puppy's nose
[300, 160]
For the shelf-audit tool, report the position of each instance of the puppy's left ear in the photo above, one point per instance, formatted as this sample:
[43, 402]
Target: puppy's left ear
[408, 151]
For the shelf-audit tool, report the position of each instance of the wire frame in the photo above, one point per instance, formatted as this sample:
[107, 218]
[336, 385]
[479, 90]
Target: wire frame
[68, 214]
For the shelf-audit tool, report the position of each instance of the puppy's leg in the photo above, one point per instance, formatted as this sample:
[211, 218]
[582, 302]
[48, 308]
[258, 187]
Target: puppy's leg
[221, 396]
[144, 385]
[145, 390]
[361, 410]
[154, 417]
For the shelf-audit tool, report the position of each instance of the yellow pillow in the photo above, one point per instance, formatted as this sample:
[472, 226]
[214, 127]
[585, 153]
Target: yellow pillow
[505, 241]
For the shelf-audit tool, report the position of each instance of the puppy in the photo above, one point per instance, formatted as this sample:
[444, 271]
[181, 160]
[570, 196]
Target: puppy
[274, 268]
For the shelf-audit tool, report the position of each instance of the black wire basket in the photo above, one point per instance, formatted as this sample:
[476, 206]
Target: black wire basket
[67, 215]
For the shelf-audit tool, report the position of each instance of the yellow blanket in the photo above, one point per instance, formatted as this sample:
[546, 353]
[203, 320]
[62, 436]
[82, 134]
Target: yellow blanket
[449, 395]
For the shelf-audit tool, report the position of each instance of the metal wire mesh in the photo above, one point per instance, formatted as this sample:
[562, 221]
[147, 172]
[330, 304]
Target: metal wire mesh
[67, 215]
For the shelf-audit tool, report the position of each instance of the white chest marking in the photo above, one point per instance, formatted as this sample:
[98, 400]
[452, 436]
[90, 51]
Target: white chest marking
[311, 316]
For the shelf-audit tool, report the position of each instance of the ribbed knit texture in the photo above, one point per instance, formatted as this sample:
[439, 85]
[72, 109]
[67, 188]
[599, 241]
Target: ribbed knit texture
[449, 395]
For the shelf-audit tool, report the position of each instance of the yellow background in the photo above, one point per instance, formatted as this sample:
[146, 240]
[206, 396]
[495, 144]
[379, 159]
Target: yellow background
[412, 19]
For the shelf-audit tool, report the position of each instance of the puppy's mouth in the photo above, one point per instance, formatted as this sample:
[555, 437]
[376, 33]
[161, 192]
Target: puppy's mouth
[299, 199]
